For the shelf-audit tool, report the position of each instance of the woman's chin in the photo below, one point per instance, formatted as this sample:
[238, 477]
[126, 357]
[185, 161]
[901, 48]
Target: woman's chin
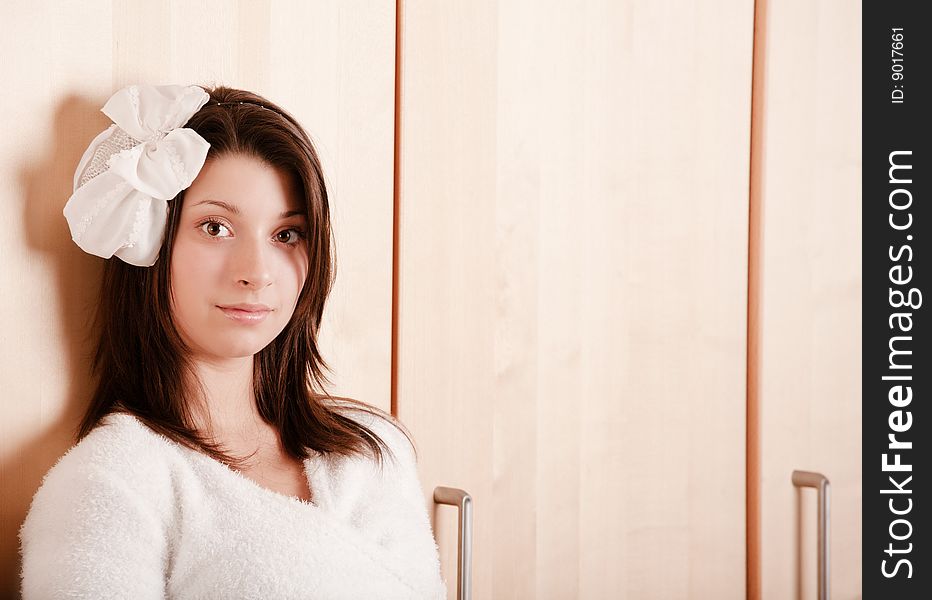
[239, 348]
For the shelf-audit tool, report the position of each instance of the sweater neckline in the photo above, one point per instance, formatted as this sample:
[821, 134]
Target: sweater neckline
[311, 466]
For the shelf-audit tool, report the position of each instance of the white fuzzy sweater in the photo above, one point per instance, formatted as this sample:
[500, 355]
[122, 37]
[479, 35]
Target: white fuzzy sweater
[129, 514]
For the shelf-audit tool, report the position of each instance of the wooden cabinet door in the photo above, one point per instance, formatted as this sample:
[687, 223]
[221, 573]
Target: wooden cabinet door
[807, 193]
[571, 309]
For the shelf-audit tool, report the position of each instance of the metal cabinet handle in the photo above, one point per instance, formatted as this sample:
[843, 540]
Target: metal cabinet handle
[463, 501]
[819, 482]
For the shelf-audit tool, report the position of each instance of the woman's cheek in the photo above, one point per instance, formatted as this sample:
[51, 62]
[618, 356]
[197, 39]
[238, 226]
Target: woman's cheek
[199, 259]
[299, 268]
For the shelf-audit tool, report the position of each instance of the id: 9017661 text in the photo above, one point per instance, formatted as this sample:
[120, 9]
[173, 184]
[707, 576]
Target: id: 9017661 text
[898, 93]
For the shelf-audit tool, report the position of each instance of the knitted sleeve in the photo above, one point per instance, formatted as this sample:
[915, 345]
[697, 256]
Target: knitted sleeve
[89, 535]
[400, 519]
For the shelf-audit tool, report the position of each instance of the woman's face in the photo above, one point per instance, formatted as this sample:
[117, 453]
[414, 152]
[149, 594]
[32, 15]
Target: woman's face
[240, 258]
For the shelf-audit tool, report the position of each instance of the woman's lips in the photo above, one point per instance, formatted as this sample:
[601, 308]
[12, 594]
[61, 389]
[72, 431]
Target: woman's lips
[245, 316]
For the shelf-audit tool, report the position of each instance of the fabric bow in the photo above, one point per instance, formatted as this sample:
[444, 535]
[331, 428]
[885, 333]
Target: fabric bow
[132, 169]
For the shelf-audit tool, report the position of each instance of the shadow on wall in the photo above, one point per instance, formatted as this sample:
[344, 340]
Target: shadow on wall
[45, 184]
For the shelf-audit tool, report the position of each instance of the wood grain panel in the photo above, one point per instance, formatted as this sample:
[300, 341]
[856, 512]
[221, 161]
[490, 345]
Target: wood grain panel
[573, 245]
[446, 282]
[329, 63]
[810, 291]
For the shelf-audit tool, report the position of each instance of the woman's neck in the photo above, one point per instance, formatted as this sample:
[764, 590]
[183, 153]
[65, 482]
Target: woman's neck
[229, 413]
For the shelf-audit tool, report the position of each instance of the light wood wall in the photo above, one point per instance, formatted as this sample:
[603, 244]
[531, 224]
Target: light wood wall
[808, 194]
[330, 63]
[573, 245]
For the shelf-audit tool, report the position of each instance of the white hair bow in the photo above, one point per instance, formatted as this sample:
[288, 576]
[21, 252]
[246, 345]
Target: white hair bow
[129, 172]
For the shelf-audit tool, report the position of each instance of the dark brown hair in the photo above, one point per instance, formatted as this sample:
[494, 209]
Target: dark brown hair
[142, 364]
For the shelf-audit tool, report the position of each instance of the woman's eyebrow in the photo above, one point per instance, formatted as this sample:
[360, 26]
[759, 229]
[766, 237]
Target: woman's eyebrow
[221, 204]
[234, 210]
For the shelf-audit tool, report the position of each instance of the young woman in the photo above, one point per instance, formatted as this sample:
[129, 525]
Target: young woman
[210, 462]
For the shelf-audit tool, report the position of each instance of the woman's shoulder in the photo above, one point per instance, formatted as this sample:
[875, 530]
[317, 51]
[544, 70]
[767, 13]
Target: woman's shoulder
[98, 519]
[394, 510]
[119, 453]
[119, 445]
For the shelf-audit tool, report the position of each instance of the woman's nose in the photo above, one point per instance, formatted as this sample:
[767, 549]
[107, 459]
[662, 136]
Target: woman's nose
[251, 265]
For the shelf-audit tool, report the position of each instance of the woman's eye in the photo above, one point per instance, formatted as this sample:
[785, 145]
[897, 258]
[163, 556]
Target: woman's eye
[290, 236]
[213, 228]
